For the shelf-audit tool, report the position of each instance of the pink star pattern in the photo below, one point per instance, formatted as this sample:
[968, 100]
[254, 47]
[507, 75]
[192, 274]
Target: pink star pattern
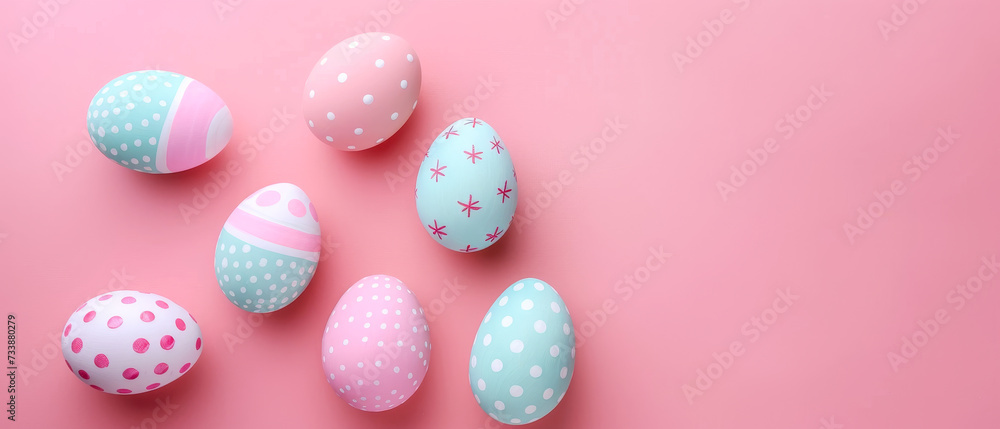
[496, 145]
[473, 155]
[435, 172]
[503, 192]
[468, 248]
[437, 230]
[451, 132]
[473, 121]
[469, 207]
[495, 235]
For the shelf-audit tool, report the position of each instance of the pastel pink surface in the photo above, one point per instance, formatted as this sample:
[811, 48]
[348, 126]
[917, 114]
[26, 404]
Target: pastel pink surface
[595, 98]
[362, 90]
[376, 344]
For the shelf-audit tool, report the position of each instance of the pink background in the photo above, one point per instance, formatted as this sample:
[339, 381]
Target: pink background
[823, 361]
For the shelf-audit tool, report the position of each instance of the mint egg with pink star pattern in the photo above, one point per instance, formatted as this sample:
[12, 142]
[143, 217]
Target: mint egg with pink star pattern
[362, 91]
[268, 249]
[466, 188]
[155, 121]
[127, 342]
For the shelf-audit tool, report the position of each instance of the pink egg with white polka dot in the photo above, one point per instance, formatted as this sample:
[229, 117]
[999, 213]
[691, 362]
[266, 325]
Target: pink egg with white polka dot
[362, 90]
[376, 346]
[127, 342]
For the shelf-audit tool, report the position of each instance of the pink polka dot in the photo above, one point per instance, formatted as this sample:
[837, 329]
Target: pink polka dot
[161, 304]
[77, 345]
[197, 344]
[161, 368]
[66, 331]
[89, 316]
[84, 375]
[130, 373]
[312, 211]
[96, 387]
[268, 198]
[128, 300]
[180, 324]
[104, 297]
[124, 391]
[147, 316]
[152, 386]
[185, 367]
[140, 345]
[296, 208]
[167, 342]
[114, 322]
[101, 361]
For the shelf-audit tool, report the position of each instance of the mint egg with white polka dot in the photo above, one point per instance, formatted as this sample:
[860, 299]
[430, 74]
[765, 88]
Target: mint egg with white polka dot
[156, 121]
[268, 249]
[523, 356]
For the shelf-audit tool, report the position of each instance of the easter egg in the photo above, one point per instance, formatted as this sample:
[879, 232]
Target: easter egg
[158, 122]
[523, 356]
[376, 345]
[466, 187]
[127, 342]
[268, 249]
[362, 91]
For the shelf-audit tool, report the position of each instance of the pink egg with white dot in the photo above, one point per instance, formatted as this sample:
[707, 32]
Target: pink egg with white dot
[362, 90]
[128, 342]
[376, 345]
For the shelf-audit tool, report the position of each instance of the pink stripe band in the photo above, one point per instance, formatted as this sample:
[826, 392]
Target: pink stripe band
[274, 233]
[189, 131]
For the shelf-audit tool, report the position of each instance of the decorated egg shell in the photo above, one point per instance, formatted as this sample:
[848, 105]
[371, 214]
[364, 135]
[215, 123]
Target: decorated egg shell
[128, 342]
[376, 345]
[523, 357]
[466, 188]
[362, 90]
[158, 122]
[268, 249]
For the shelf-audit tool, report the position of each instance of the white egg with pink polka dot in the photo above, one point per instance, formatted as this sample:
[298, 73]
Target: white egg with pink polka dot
[128, 342]
[362, 91]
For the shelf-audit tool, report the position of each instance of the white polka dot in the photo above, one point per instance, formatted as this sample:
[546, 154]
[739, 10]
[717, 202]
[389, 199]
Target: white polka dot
[246, 248]
[496, 365]
[145, 122]
[342, 77]
[358, 131]
[114, 151]
[104, 114]
[503, 301]
[530, 409]
[394, 116]
[329, 138]
[135, 161]
[345, 342]
[137, 87]
[487, 339]
[100, 131]
[516, 346]
[312, 93]
[547, 393]
[152, 141]
[402, 84]
[311, 124]
[499, 404]
[124, 147]
[111, 99]
[386, 37]
[379, 141]
[128, 127]
[379, 63]
[554, 351]
[518, 286]
[516, 391]
[146, 99]
[145, 158]
[129, 106]
[527, 304]
[156, 116]
[163, 103]
[414, 105]
[263, 262]
[367, 99]
[555, 307]
[535, 371]
[409, 57]
[352, 147]
[330, 115]
[566, 328]
[472, 362]
[563, 371]
[488, 316]
[322, 61]
[481, 384]
[540, 327]
[506, 321]
[116, 110]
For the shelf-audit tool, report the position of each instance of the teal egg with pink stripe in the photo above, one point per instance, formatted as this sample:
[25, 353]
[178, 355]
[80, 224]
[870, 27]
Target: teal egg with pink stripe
[156, 121]
[268, 249]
